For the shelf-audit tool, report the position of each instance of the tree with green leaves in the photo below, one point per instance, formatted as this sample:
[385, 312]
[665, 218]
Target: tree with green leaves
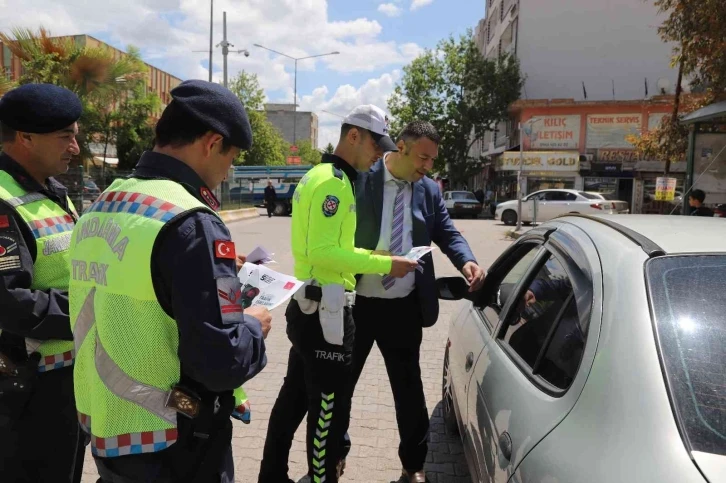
[329, 149]
[696, 28]
[461, 93]
[134, 131]
[268, 146]
[308, 154]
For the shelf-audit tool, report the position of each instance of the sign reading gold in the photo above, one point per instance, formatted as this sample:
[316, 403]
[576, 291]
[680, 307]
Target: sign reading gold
[540, 161]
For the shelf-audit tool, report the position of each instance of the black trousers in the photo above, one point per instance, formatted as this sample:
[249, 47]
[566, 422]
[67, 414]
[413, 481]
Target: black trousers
[395, 326]
[192, 459]
[44, 443]
[317, 383]
[270, 205]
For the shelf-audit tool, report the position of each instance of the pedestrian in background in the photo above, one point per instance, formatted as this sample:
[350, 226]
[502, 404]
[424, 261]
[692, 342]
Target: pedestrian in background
[695, 200]
[39, 434]
[270, 199]
[163, 343]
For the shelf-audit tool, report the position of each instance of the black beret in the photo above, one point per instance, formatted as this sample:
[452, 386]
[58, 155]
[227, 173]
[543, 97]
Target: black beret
[39, 108]
[217, 108]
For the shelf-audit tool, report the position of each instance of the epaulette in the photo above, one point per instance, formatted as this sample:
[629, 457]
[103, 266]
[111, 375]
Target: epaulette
[338, 173]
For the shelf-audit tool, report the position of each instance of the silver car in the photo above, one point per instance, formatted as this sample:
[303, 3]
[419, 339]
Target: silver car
[595, 352]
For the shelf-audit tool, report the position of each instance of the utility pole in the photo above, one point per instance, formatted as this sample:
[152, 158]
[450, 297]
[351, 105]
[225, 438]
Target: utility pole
[294, 116]
[521, 167]
[225, 48]
[519, 177]
[294, 111]
[211, 35]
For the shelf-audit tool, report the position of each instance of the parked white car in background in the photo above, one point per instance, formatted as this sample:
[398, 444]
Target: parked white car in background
[622, 207]
[548, 204]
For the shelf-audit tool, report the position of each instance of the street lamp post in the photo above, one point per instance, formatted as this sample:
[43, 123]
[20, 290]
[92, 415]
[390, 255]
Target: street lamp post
[294, 105]
[519, 173]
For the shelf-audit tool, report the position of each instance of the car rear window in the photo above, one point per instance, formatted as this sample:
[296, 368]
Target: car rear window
[463, 196]
[589, 196]
[688, 303]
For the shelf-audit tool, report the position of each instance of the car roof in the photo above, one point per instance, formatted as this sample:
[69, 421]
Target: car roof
[674, 234]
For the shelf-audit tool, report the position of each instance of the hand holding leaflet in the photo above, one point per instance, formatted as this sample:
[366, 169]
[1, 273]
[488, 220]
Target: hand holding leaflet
[416, 253]
[265, 287]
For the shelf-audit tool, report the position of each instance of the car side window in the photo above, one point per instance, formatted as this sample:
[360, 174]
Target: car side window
[501, 283]
[545, 329]
[556, 196]
[538, 197]
[571, 197]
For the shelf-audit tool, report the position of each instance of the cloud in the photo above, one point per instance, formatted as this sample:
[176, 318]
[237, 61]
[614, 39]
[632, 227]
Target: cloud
[374, 91]
[389, 9]
[416, 4]
[168, 31]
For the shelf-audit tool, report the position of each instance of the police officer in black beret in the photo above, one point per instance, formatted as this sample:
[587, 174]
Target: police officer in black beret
[192, 330]
[39, 433]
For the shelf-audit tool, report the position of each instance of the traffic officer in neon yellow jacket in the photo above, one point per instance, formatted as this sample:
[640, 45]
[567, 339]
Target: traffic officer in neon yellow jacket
[319, 318]
[161, 339]
[38, 425]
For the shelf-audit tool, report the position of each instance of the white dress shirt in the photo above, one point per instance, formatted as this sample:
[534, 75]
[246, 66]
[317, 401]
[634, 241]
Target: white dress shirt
[372, 285]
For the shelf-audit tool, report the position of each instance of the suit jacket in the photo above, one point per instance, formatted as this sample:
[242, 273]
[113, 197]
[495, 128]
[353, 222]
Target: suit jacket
[431, 223]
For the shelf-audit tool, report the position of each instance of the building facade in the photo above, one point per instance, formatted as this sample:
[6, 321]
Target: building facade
[584, 145]
[574, 49]
[612, 47]
[595, 71]
[294, 126]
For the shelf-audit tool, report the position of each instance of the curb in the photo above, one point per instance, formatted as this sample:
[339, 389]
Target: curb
[230, 216]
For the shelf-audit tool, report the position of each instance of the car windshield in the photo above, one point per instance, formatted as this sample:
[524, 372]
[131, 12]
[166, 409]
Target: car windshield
[687, 298]
[462, 195]
[589, 196]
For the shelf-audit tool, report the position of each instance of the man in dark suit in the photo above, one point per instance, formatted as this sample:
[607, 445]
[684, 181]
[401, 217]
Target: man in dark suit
[398, 208]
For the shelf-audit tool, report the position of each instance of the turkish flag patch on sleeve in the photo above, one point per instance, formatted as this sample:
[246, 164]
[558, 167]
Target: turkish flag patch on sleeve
[224, 249]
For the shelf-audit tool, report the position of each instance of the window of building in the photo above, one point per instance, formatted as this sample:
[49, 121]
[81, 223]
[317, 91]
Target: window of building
[544, 328]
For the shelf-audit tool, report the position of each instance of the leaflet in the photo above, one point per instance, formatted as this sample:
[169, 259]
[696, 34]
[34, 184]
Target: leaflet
[265, 287]
[417, 252]
[260, 256]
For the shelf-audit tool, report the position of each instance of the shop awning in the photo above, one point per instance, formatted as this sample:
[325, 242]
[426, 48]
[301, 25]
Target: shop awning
[713, 112]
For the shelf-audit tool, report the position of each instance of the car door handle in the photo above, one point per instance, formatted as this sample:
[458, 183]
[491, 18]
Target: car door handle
[469, 361]
[505, 446]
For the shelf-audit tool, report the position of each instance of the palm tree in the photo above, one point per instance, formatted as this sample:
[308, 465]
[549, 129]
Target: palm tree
[99, 77]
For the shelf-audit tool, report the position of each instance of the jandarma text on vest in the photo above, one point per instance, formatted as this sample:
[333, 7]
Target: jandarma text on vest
[108, 230]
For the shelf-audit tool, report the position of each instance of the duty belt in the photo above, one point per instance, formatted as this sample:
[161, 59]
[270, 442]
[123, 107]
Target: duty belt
[315, 293]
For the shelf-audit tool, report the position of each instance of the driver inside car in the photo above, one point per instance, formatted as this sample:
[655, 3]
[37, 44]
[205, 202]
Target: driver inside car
[544, 303]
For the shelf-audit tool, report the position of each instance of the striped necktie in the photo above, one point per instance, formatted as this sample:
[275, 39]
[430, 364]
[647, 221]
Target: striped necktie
[396, 246]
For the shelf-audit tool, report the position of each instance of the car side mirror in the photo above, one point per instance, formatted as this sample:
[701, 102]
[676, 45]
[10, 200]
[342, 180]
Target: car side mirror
[452, 288]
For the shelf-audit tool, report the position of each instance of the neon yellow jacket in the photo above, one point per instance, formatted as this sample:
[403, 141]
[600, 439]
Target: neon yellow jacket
[323, 230]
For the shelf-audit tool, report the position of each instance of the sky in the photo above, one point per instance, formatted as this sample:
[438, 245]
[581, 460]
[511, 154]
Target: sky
[375, 38]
